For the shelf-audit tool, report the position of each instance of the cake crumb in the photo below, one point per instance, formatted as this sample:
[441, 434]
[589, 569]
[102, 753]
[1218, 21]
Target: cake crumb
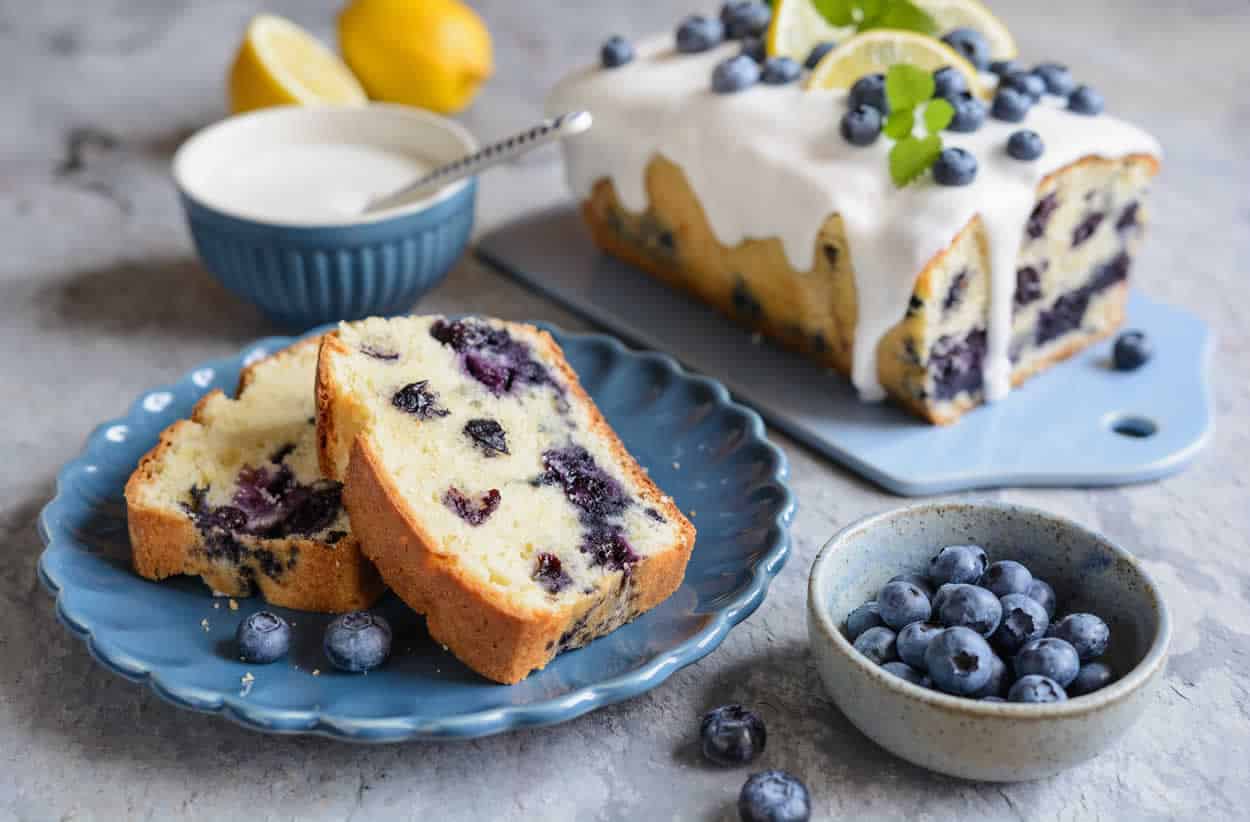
[204, 624]
[676, 465]
[757, 338]
[692, 513]
[234, 605]
[247, 679]
[216, 606]
[316, 672]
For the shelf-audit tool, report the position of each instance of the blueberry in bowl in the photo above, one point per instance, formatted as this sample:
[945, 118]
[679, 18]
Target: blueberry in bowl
[973, 718]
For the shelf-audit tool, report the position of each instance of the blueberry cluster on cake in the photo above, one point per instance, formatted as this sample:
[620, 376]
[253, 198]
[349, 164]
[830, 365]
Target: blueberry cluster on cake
[488, 489]
[235, 496]
[940, 251]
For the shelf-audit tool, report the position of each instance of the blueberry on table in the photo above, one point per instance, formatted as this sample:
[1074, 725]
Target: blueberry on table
[263, 637]
[743, 18]
[780, 70]
[958, 564]
[948, 83]
[919, 580]
[774, 796]
[1041, 592]
[861, 126]
[1087, 633]
[997, 684]
[904, 671]
[959, 661]
[735, 74]
[1091, 677]
[1035, 688]
[970, 606]
[1010, 105]
[818, 53]
[1026, 82]
[1057, 77]
[862, 618]
[732, 735]
[1132, 350]
[869, 90]
[1025, 145]
[358, 641]
[616, 52]
[1084, 100]
[912, 642]
[878, 644]
[971, 44]
[902, 603]
[1049, 657]
[1024, 620]
[698, 33]
[970, 113]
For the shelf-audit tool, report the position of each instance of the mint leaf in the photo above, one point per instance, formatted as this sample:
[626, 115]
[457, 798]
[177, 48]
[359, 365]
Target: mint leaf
[938, 115]
[838, 12]
[912, 157]
[869, 12]
[904, 14]
[900, 123]
[907, 86]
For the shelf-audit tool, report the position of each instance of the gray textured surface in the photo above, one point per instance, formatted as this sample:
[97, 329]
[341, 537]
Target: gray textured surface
[100, 298]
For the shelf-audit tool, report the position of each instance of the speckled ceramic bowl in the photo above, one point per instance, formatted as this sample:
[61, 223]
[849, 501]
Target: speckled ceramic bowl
[303, 273]
[1001, 742]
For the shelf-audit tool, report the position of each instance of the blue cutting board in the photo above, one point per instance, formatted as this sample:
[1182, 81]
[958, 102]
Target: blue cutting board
[1079, 424]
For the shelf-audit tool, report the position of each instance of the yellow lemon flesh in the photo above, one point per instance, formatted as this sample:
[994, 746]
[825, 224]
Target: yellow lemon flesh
[433, 54]
[280, 63]
[796, 28]
[875, 51]
[955, 14]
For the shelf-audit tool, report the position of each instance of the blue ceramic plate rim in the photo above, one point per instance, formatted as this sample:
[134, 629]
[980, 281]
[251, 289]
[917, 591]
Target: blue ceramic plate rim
[396, 728]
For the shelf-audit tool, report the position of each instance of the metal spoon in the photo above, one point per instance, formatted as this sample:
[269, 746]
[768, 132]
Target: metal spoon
[502, 151]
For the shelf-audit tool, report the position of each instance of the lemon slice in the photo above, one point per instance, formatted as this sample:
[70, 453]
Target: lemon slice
[877, 50]
[797, 27]
[954, 14]
[279, 63]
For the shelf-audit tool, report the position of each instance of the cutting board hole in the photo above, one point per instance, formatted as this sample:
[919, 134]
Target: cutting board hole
[1133, 425]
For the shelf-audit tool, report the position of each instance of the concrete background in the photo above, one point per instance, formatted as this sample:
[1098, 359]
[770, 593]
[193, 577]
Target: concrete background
[101, 298]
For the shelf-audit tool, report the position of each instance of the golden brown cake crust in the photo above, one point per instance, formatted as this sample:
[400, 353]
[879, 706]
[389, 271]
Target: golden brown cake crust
[501, 640]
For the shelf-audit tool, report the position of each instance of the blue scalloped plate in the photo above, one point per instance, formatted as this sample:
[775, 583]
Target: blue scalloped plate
[708, 452]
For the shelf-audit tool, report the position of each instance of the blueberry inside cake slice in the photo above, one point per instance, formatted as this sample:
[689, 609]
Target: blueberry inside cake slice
[489, 490]
[235, 496]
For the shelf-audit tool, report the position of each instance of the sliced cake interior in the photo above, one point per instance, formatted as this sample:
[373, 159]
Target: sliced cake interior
[489, 490]
[235, 495]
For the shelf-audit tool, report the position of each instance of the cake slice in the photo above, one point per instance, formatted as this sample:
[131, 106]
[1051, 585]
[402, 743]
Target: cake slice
[489, 490]
[234, 496]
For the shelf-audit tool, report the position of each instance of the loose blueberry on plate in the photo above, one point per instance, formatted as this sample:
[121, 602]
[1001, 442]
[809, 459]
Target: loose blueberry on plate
[735, 74]
[1024, 620]
[359, 641]
[1006, 577]
[755, 48]
[919, 580]
[912, 642]
[1034, 688]
[1091, 677]
[1041, 592]
[1057, 78]
[1132, 350]
[902, 603]
[1049, 657]
[861, 126]
[904, 671]
[262, 638]
[869, 90]
[958, 564]
[971, 44]
[1084, 100]
[998, 681]
[774, 796]
[732, 735]
[1087, 633]
[1010, 105]
[959, 661]
[878, 644]
[862, 618]
[970, 606]
[1026, 82]
[616, 52]
[698, 33]
[1025, 145]
[817, 53]
[970, 113]
[948, 83]
[780, 70]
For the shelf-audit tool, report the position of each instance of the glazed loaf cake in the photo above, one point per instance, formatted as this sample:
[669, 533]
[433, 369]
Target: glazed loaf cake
[489, 491]
[940, 296]
[235, 496]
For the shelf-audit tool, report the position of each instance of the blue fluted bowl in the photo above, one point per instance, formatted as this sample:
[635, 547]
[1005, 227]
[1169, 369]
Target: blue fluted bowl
[300, 271]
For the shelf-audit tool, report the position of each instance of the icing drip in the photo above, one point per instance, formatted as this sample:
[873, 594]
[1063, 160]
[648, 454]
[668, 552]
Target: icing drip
[769, 162]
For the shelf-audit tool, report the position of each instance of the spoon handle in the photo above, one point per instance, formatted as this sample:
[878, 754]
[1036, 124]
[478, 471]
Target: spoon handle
[492, 155]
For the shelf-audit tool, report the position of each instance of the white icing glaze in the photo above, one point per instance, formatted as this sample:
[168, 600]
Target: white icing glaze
[769, 162]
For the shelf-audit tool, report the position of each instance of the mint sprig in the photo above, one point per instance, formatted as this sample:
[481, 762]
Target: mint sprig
[864, 15]
[908, 88]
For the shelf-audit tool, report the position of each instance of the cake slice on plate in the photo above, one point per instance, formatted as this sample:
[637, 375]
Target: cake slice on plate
[234, 495]
[489, 490]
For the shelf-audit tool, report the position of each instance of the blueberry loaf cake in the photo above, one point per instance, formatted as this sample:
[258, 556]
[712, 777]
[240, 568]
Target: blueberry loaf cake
[489, 491]
[942, 294]
[235, 496]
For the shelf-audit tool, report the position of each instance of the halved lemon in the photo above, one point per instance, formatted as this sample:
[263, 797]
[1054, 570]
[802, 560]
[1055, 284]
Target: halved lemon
[797, 27]
[877, 50]
[279, 63]
[954, 14]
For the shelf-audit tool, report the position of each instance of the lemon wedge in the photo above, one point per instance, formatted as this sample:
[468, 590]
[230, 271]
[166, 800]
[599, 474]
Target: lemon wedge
[875, 51]
[280, 63]
[954, 14]
[796, 28]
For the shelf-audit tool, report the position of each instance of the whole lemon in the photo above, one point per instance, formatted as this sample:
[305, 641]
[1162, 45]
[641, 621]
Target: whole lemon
[433, 54]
